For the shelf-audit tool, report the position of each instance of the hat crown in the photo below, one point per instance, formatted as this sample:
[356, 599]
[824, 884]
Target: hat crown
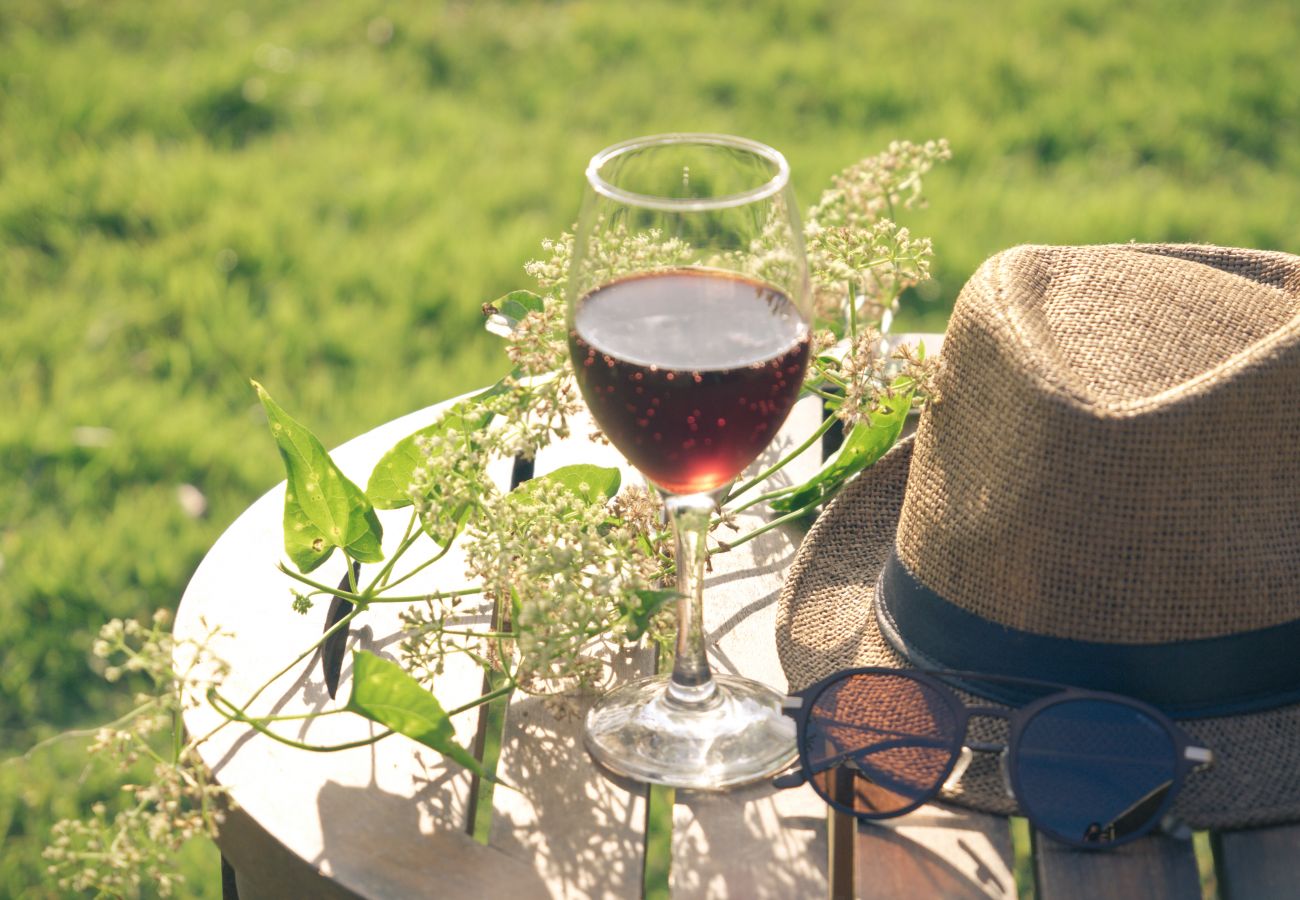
[1114, 455]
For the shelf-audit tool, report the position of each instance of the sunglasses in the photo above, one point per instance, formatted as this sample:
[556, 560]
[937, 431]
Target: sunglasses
[1089, 769]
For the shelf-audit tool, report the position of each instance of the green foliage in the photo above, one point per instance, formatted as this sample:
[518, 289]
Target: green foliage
[390, 480]
[639, 614]
[322, 508]
[384, 693]
[323, 195]
[864, 443]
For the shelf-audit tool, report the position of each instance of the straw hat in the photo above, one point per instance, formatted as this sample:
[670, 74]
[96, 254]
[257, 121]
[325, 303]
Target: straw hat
[1106, 494]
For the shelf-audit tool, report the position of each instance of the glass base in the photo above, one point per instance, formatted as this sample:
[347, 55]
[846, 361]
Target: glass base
[735, 736]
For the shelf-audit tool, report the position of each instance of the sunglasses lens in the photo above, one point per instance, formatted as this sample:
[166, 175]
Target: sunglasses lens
[879, 743]
[1093, 772]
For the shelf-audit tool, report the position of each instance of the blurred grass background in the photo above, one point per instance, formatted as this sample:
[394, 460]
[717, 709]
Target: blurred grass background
[322, 195]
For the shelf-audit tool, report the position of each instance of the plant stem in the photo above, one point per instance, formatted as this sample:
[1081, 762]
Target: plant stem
[403, 545]
[788, 517]
[351, 596]
[783, 462]
[763, 498]
[459, 632]
[341, 623]
[853, 311]
[236, 715]
[486, 698]
[78, 733]
[419, 598]
[289, 717]
[424, 565]
[818, 392]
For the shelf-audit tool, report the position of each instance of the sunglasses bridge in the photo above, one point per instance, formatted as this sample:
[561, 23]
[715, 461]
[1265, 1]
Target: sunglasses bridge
[970, 748]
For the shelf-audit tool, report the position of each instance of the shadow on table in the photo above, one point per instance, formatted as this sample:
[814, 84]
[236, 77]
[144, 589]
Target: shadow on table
[712, 830]
[582, 831]
[891, 864]
[373, 843]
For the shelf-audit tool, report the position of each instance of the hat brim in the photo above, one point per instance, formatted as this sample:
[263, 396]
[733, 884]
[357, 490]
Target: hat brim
[826, 621]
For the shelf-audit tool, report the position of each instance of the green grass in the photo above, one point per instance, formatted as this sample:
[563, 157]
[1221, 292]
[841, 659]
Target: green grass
[321, 198]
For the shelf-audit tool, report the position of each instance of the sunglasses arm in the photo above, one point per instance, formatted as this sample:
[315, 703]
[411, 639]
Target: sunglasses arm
[1200, 758]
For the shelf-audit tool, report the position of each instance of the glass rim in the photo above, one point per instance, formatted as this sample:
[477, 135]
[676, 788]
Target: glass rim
[770, 188]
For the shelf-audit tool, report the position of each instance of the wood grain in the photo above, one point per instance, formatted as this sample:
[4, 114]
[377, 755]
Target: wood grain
[1156, 867]
[1261, 863]
[935, 852]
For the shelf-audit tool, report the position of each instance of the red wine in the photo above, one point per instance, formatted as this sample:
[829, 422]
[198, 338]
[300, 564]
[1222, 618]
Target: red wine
[690, 373]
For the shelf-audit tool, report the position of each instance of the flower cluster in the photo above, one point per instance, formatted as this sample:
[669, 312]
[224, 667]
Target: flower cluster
[552, 272]
[921, 371]
[872, 266]
[858, 255]
[870, 372]
[561, 604]
[613, 253]
[540, 401]
[115, 853]
[875, 187]
[451, 481]
[437, 629]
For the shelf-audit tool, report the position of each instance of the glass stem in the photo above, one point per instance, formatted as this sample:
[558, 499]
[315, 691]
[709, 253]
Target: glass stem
[691, 683]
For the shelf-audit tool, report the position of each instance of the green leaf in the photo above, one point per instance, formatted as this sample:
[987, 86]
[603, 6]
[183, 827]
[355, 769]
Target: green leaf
[511, 309]
[391, 477]
[304, 543]
[590, 483]
[384, 693]
[863, 445]
[638, 615]
[322, 508]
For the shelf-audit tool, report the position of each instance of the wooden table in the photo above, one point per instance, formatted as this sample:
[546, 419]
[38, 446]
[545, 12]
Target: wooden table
[393, 820]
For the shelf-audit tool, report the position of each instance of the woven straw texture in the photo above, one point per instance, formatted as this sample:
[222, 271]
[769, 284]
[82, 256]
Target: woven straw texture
[1113, 459]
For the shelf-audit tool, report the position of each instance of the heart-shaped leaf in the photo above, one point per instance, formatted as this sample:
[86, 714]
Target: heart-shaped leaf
[322, 508]
[384, 693]
[588, 482]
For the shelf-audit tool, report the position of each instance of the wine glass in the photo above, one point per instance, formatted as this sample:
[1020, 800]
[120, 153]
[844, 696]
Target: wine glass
[688, 327]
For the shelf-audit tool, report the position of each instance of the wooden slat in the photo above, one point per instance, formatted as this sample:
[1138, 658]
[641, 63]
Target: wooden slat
[936, 852]
[753, 842]
[1155, 867]
[1258, 862]
[581, 831]
[450, 864]
[750, 842]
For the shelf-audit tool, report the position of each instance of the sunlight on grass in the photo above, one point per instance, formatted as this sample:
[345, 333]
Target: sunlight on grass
[659, 841]
[1205, 865]
[323, 196]
[1022, 867]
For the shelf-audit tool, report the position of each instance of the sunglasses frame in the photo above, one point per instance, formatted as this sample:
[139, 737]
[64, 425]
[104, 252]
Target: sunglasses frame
[1188, 756]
